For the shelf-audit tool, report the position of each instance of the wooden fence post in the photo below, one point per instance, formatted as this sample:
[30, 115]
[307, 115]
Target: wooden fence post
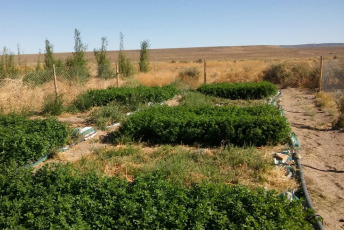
[55, 83]
[321, 73]
[205, 72]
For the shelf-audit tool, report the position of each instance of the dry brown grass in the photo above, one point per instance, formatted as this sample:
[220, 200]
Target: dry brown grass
[224, 64]
[326, 102]
[143, 159]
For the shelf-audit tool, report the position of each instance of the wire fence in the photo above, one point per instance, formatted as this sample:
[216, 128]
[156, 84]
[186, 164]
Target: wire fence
[333, 75]
[27, 90]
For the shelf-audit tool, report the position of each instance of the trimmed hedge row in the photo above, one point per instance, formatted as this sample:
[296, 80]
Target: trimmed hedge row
[124, 95]
[24, 140]
[234, 91]
[256, 125]
[62, 198]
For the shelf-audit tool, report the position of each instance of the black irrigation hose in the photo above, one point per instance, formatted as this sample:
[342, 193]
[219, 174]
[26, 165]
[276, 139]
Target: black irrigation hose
[318, 225]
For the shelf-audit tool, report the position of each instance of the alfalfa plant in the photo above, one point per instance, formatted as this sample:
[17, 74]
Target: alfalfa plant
[125, 67]
[103, 62]
[144, 61]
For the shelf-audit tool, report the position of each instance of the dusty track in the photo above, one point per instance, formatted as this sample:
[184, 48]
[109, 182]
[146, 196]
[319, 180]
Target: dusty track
[322, 154]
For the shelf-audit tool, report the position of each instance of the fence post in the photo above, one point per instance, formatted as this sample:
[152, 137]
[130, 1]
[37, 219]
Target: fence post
[55, 83]
[321, 73]
[117, 74]
[205, 72]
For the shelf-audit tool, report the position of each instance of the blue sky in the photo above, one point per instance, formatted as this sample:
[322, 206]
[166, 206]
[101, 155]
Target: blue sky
[169, 24]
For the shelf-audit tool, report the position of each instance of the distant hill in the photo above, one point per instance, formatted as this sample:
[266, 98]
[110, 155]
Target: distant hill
[313, 45]
[215, 53]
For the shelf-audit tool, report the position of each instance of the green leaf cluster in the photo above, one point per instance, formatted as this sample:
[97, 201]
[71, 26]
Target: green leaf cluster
[23, 140]
[249, 90]
[124, 95]
[252, 125]
[58, 197]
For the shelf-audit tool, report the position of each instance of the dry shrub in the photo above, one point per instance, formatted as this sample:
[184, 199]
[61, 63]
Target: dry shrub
[190, 76]
[293, 74]
[326, 102]
[339, 124]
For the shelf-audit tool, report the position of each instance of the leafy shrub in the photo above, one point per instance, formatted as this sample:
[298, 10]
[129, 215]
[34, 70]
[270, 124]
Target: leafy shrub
[250, 90]
[53, 105]
[23, 140]
[256, 125]
[124, 95]
[58, 197]
[293, 75]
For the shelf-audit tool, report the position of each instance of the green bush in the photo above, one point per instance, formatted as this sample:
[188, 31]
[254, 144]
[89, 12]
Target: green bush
[289, 74]
[124, 95]
[256, 125]
[250, 90]
[62, 198]
[23, 140]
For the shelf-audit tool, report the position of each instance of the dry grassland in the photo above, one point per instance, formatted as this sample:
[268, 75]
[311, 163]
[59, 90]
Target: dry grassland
[224, 64]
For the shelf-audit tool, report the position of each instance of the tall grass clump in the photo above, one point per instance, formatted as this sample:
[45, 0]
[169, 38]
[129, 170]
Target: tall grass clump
[103, 62]
[289, 74]
[105, 115]
[53, 105]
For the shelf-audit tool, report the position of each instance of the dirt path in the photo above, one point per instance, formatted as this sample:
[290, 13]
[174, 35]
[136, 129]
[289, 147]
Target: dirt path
[322, 154]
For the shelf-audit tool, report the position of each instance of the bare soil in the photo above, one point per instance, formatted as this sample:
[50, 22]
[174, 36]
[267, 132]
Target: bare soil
[322, 154]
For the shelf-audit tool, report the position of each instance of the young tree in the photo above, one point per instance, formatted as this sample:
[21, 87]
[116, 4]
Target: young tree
[38, 64]
[77, 65]
[144, 62]
[103, 63]
[125, 67]
[79, 48]
[7, 67]
[49, 59]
